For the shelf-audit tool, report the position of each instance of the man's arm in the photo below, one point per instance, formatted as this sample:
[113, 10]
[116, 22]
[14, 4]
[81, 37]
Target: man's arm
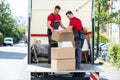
[48, 25]
[62, 26]
[88, 38]
[66, 30]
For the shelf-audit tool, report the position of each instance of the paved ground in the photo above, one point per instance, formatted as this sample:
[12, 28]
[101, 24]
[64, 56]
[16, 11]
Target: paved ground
[13, 64]
[109, 72]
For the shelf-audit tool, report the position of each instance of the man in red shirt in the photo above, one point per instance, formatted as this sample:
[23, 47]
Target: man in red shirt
[53, 22]
[75, 25]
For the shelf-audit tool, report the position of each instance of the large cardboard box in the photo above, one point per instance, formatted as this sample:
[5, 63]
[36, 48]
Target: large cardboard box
[60, 37]
[73, 42]
[63, 64]
[63, 53]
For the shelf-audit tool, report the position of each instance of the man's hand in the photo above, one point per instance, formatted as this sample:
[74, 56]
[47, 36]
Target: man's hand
[51, 29]
[66, 30]
[62, 26]
[60, 31]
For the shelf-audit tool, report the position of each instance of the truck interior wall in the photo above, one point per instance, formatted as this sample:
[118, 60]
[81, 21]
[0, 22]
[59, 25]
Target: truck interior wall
[39, 15]
[50, 4]
[44, 40]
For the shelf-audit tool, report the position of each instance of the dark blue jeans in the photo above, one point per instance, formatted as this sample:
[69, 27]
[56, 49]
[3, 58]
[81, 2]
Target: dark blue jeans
[78, 52]
[52, 43]
[79, 41]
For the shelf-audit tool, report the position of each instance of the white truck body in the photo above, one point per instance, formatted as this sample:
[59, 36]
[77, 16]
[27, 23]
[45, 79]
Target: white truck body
[38, 12]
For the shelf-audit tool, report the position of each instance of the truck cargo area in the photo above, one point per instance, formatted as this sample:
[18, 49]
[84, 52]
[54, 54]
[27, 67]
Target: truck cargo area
[44, 72]
[44, 67]
[39, 42]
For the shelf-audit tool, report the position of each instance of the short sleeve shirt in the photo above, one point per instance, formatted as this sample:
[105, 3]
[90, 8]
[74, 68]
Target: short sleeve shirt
[76, 23]
[53, 18]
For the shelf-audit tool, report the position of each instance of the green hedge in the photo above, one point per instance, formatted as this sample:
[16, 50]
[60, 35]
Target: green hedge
[115, 54]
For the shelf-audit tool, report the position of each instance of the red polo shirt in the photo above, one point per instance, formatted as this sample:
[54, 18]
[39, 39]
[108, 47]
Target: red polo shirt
[76, 23]
[53, 18]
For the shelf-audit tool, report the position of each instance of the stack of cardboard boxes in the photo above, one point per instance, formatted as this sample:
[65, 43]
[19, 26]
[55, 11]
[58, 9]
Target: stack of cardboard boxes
[62, 58]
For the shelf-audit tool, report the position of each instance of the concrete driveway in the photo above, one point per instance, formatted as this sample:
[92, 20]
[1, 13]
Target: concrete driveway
[109, 72]
[13, 63]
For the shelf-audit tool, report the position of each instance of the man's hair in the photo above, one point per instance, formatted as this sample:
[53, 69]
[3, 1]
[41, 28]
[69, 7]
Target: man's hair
[69, 12]
[57, 7]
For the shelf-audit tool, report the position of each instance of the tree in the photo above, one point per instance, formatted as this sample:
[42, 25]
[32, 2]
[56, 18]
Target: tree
[103, 36]
[1, 37]
[6, 19]
[103, 17]
[7, 26]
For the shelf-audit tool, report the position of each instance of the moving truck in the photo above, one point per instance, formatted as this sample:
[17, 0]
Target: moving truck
[37, 36]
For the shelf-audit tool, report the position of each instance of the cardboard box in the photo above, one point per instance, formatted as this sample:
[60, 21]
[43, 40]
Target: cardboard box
[60, 37]
[63, 53]
[62, 65]
[73, 42]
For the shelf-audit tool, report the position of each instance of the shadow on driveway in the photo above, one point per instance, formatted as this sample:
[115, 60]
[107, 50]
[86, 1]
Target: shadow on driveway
[103, 79]
[12, 55]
